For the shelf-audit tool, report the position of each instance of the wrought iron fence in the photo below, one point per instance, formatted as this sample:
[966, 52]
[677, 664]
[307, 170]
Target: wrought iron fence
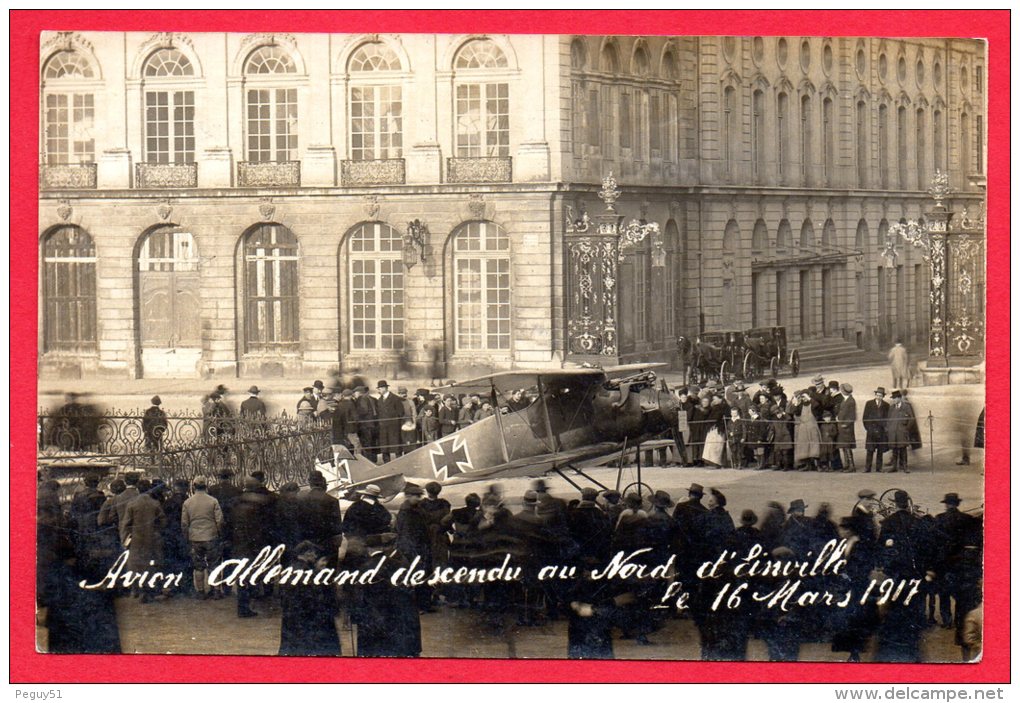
[186, 445]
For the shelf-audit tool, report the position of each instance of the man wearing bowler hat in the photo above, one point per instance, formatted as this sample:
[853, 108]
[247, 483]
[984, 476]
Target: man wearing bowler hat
[899, 424]
[846, 418]
[876, 412]
[390, 415]
[954, 528]
[253, 408]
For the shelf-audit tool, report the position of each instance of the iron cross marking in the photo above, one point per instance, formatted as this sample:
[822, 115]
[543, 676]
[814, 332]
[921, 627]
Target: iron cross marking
[450, 457]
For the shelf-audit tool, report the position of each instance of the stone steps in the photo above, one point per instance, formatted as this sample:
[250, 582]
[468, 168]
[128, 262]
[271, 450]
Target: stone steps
[833, 351]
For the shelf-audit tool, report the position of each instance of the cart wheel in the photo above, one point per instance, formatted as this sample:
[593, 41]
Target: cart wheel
[774, 367]
[795, 361]
[750, 367]
[639, 487]
[724, 371]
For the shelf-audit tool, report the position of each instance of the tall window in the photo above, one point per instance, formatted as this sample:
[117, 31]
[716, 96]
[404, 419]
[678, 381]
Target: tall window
[609, 63]
[883, 144]
[481, 265]
[641, 264]
[69, 109]
[270, 279]
[625, 120]
[69, 290]
[901, 145]
[939, 145]
[921, 149]
[672, 275]
[979, 143]
[668, 103]
[965, 162]
[655, 126]
[782, 129]
[482, 105]
[861, 130]
[729, 131]
[376, 277]
[578, 93]
[272, 114]
[169, 114]
[758, 134]
[806, 135]
[828, 140]
[376, 107]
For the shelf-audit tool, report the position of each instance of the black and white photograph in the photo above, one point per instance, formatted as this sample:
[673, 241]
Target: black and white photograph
[511, 346]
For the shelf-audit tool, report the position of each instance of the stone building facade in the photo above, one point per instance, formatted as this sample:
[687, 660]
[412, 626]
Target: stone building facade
[227, 204]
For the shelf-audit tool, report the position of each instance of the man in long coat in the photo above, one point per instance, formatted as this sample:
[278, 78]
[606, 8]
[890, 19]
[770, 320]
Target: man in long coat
[154, 426]
[365, 415]
[318, 515]
[253, 408]
[876, 412]
[901, 429]
[846, 418]
[390, 413]
[141, 529]
[899, 365]
[252, 529]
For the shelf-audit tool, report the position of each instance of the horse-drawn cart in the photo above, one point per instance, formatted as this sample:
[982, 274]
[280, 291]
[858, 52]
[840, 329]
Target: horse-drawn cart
[765, 351]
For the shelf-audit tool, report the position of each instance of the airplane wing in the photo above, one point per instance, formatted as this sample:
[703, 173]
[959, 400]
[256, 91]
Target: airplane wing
[628, 369]
[541, 464]
[508, 380]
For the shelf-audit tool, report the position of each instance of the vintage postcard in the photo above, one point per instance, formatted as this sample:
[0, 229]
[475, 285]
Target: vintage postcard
[355, 340]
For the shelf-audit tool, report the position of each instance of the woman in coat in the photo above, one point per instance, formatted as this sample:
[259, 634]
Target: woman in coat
[806, 438]
[142, 532]
[308, 622]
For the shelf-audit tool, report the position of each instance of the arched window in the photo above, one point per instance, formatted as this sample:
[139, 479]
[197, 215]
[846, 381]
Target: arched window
[759, 237]
[806, 137]
[939, 139]
[69, 290]
[758, 134]
[861, 238]
[784, 235]
[271, 110]
[482, 102]
[965, 161]
[376, 105]
[672, 279]
[782, 134]
[901, 145]
[807, 236]
[921, 148]
[270, 289]
[641, 63]
[169, 114]
[828, 139]
[883, 145]
[376, 283]
[609, 61]
[828, 236]
[729, 132]
[481, 282]
[861, 132]
[69, 109]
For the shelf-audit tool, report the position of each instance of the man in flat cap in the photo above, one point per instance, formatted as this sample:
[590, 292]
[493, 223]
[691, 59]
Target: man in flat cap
[202, 522]
[154, 426]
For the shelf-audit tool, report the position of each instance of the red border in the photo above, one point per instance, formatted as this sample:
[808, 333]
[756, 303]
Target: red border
[28, 666]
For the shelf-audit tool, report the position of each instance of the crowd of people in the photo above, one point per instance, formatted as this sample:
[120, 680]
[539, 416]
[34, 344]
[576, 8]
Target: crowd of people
[813, 429]
[189, 528]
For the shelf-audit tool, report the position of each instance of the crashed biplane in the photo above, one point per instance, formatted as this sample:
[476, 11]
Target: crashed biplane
[577, 418]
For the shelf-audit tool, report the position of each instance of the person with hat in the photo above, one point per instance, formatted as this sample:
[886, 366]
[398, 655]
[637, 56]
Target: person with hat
[699, 419]
[875, 416]
[819, 395]
[367, 515]
[591, 529]
[661, 530]
[954, 530]
[306, 405]
[219, 418]
[154, 426]
[846, 419]
[202, 522]
[906, 553]
[318, 514]
[736, 396]
[412, 527]
[365, 414]
[89, 546]
[307, 623]
[715, 526]
[253, 527]
[854, 624]
[865, 514]
[437, 510]
[747, 535]
[807, 439]
[390, 415]
[797, 530]
[409, 424]
[832, 404]
[685, 406]
[253, 408]
[141, 532]
[344, 425]
[900, 429]
[687, 514]
[899, 365]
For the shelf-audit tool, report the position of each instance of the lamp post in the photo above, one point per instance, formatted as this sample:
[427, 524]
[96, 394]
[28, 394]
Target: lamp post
[593, 252]
[416, 241]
